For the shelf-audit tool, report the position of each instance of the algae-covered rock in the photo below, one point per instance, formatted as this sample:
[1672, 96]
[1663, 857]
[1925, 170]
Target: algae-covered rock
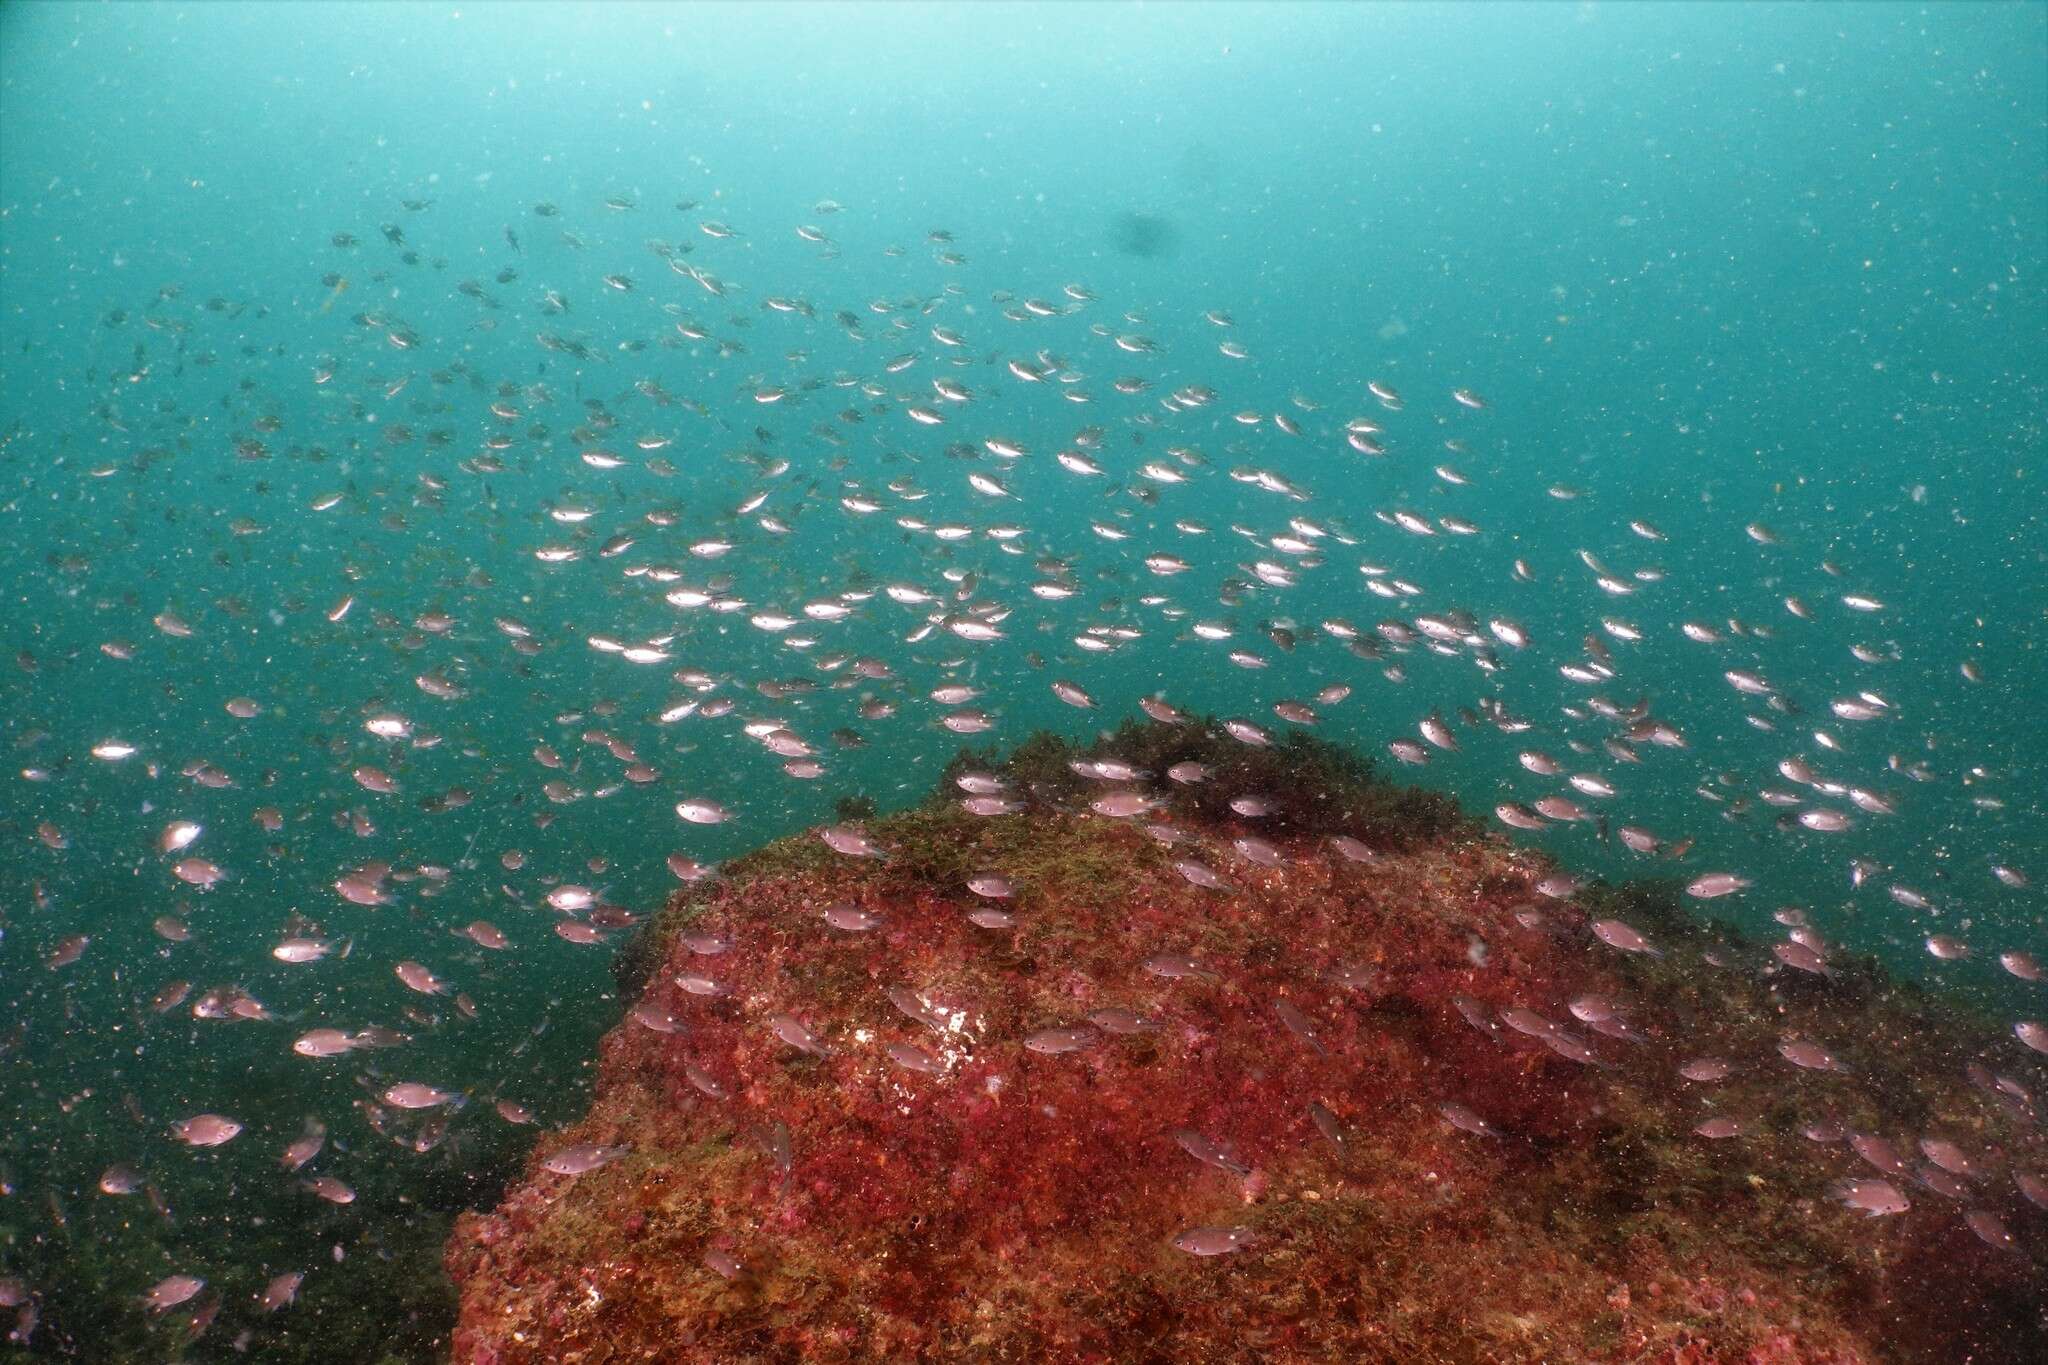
[1315, 1075]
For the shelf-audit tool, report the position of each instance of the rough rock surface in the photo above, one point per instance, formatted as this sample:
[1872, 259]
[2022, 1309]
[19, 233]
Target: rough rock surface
[1313, 1056]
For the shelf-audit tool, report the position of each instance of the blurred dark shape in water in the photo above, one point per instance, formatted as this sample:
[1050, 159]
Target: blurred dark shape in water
[1144, 234]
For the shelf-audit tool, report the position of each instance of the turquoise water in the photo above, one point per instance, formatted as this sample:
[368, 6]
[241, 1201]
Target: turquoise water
[1707, 266]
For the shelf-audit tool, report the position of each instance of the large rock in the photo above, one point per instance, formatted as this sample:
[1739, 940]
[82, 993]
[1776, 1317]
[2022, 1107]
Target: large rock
[1303, 1072]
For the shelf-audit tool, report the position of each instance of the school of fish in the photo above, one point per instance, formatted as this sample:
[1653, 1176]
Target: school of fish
[1016, 483]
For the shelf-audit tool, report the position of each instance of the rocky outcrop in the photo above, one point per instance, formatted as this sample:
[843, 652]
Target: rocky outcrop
[1035, 1091]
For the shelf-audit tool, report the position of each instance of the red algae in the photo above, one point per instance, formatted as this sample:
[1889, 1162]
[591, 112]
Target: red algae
[846, 1148]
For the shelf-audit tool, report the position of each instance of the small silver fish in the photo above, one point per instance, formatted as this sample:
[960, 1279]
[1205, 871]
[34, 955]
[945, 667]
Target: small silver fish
[1214, 1241]
[1209, 1152]
[581, 1158]
[791, 1030]
[1053, 1041]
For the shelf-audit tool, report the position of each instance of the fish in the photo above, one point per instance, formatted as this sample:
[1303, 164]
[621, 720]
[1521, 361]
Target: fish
[1214, 1241]
[120, 1179]
[581, 1158]
[1616, 934]
[324, 1042]
[1464, 1119]
[1054, 1041]
[712, 518]
[171, 1291]
[1871, 1198]
[912, 1058]
[1209, 1152]
[1990, 1229]
[851, 918]
[796, 1034]
[1176, 966]
[1352, 850]
[414, 1095]
[304, 1148]
[486, 935]
[1122, 1022]
[849, 840]
[206, 1130]
[1300, 1025]
[421, 979]
[1809, 1055]
[281, 1292]
[298, 950]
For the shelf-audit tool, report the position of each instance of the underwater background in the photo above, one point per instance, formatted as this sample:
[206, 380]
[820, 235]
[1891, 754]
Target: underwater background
[1709, 266]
